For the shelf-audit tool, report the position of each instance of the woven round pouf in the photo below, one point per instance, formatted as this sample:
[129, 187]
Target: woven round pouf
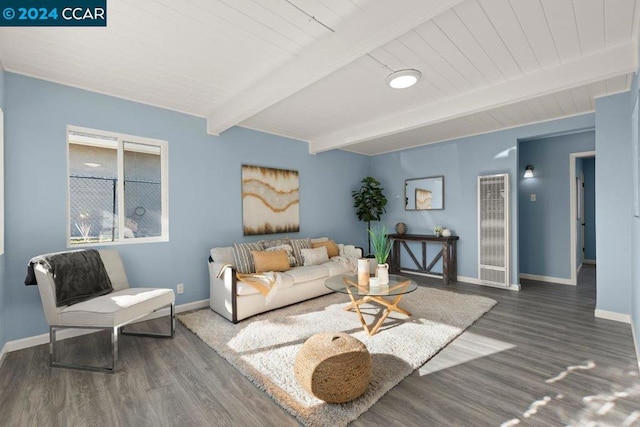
[334, 367]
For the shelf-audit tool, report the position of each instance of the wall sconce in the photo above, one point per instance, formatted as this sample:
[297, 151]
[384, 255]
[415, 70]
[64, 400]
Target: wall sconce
[528, 171]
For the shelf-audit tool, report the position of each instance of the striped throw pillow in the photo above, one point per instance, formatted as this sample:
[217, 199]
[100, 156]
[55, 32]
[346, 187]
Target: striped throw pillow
[243, 257]
[297, 245]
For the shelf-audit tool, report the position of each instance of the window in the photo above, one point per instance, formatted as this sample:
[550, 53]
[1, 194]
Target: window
[117, 188]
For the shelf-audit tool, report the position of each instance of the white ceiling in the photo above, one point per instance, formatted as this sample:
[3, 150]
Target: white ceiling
[314, 70]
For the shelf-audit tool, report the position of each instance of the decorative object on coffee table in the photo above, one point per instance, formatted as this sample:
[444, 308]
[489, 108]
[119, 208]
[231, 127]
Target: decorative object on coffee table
[381, 248]
[334, 367]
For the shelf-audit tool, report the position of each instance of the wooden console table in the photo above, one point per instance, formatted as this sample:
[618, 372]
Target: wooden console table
[448, 253]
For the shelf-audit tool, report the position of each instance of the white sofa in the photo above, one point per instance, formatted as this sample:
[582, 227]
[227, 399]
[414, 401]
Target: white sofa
[236, 300]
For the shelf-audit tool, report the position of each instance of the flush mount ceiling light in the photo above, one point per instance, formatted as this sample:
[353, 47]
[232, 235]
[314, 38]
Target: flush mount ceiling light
[528, 171]
[93, 165]
[402, 79]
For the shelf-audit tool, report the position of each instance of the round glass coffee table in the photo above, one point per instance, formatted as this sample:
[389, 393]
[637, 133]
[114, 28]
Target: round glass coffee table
[397, 288]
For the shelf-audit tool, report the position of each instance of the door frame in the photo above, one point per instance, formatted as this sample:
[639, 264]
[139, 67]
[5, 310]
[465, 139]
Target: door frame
[573, 211]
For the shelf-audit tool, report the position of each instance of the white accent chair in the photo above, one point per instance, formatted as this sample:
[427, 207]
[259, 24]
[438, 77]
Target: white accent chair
[112, 311]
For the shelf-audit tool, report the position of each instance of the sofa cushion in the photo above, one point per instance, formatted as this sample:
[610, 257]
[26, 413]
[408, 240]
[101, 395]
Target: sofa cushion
[332, 248]
[336, 268]
[298, 244]
[270, 261]
[243, 258]
[308, 273]
[314, 256]
[117, 307]
[242, 288]
[223, 255]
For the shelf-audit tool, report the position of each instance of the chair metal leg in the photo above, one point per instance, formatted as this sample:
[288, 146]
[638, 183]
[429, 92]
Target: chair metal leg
[170, 334]
[115, 333]
[53, 354]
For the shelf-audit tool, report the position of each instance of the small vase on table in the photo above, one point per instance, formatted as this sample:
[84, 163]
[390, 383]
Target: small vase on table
[382, 273]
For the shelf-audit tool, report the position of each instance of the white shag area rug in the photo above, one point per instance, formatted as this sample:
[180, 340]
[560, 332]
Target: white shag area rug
[264, 347]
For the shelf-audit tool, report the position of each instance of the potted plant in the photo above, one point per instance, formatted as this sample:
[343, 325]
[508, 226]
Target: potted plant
[381, 249]
[369, 202]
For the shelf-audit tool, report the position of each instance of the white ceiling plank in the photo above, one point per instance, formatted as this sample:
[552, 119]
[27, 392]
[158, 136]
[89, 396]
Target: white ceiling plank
[474, 18]
[562, 22]
[590, 19]
[440, 42]
[433, 65]
[607, 64]
[617, 84]
[539, 109]
[379, 23]
[619, 16]
[551, 105]
[536, 28]
[506, 24]
[582, 98]
[460, 35]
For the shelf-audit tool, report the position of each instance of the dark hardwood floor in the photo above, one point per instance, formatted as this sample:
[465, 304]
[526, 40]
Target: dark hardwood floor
[538, 358]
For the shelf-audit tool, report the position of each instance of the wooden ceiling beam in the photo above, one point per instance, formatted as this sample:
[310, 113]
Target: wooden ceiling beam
[380, 22]
[610, 63]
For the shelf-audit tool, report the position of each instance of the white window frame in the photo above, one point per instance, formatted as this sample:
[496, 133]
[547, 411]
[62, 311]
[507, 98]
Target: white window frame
[164, 187]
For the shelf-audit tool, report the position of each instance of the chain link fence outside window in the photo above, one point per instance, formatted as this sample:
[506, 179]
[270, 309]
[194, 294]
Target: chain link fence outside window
[93, 209]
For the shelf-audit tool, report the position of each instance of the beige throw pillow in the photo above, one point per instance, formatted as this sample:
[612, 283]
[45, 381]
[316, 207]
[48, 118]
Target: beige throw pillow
[332, 248]
[270, 261]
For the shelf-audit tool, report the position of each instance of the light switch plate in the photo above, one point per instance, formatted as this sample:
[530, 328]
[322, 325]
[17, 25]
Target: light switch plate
[533, 197]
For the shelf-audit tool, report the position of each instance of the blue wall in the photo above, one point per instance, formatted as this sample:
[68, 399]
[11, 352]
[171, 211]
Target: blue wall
[615, 203]
[204, 189]
[2, 267]
[545, 241]
[461, 161]
[589, 169]
[635, 265]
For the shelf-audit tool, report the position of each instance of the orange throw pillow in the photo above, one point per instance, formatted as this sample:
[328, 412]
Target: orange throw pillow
[332, 248]
[270, 261]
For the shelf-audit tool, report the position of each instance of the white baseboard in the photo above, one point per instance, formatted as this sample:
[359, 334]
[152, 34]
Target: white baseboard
[546, 279]
[589, 261]
[476, 281]
[465, 279]
[33, 341]
[612, 315]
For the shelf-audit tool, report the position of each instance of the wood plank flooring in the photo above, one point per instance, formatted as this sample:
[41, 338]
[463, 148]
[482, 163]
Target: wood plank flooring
[538, 358]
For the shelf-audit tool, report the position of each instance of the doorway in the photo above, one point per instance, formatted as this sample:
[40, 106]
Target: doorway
[582, 218]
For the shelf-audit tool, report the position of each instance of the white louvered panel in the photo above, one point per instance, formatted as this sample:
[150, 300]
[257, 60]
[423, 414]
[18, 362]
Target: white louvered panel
[493, 229]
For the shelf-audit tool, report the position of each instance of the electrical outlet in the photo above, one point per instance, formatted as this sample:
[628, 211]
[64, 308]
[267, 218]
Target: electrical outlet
[180, 288]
